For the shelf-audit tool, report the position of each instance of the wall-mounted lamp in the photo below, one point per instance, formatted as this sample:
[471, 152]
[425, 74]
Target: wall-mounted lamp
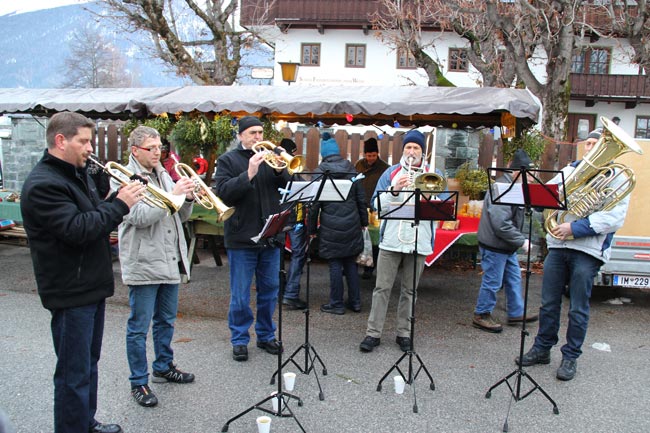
[289, 72]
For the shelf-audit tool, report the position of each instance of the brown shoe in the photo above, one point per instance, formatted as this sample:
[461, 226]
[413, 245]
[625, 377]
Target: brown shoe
[485, 322]
[517, 320]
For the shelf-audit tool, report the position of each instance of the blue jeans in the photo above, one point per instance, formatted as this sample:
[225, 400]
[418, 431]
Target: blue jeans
[562, 266]
[500, 270]
[264, 264]
[338, 267]
[77, 336]
[160, 303]
[298, 258]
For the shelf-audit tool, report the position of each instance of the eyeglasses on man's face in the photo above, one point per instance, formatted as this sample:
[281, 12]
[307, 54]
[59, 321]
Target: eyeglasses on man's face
[150, 149]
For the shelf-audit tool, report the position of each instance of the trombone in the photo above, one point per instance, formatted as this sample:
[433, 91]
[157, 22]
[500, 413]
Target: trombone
[154, 196]
[202, 193]
[278, 159]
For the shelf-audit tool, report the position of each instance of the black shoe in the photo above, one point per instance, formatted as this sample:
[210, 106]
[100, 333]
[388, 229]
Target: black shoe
[567, 370]
[294, 304]
[271, 346]
[105, 428]
[534, 356]
[404, 343]
[356, 309]
[143, 395]
[240, 353]
[369, 343]
[327, 308]
[172, 375]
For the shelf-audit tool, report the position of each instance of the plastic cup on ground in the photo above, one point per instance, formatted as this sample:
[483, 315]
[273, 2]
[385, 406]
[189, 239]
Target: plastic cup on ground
[289, 380]
[399, 384]
[263, 424]
[274, 401]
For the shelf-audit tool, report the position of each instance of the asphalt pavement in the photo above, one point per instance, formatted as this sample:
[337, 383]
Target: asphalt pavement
[609, 394]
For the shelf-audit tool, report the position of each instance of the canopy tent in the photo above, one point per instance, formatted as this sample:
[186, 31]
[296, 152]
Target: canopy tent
[408, 105]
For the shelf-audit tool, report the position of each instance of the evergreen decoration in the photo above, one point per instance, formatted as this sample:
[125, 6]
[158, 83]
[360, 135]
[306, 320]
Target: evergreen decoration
[473, 181]
[532, 141]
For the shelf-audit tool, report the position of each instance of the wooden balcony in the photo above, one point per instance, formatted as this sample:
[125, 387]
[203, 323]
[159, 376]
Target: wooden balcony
[591, 88]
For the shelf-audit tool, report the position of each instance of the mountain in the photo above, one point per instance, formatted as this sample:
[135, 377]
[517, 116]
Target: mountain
[34, 47]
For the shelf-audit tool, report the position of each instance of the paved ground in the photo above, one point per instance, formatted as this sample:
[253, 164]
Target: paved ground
[609, 394]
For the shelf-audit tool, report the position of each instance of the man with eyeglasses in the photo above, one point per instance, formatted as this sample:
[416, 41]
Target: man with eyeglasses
[152, 253]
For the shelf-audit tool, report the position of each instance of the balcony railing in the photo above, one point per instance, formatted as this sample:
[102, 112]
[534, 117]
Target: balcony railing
[615, 87]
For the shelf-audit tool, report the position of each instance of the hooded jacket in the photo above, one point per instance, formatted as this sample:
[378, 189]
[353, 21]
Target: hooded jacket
[68, 228]
[254, 200]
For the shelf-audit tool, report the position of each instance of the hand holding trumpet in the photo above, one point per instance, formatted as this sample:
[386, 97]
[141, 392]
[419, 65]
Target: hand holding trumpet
[131, 193]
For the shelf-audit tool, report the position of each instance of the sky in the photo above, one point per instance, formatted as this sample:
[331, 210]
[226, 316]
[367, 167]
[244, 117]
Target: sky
[11, 6]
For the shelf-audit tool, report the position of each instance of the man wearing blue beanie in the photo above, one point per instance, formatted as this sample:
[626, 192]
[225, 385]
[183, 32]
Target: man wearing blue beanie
[396, 246]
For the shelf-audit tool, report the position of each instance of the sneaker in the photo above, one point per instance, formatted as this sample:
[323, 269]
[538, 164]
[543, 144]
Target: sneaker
[535, 356]
[240, 353]
[517, 320]
[567, 369]
[404, 343]
[294, 304]
[105, 428]
[369, 343]
[328, 308]
[355, 308]
[143, 395]
[172, 375]
[485, 322]
[271, 346]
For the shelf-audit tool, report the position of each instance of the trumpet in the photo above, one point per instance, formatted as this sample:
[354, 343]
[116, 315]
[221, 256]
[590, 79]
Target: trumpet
[154, 196]
[202, 193]
[278, 159]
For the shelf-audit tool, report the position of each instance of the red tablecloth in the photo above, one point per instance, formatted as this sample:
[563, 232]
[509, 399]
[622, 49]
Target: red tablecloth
[446, 238]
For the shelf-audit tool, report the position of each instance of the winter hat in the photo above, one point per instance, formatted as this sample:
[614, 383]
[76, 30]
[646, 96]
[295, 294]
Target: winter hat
[414, 136]
[326, 136]
[288, 145]
[595, 134]
[370, 145]
[248, 121]
[521, 159]
[329, 147]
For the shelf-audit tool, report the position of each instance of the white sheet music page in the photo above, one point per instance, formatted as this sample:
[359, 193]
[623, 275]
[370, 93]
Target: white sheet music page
[509, 193]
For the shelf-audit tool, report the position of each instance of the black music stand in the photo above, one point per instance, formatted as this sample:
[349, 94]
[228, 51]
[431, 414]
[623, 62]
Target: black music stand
[424, 207]
[530, 193]
[275, 224]
[323, 187]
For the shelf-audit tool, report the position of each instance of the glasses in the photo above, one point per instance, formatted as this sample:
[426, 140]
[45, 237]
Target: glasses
[151, 149]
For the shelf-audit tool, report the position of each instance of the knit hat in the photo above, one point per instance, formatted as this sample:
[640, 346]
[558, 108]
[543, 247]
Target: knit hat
[326, 136]
[595, 134]
[521, 159]
[329, 147]
[248, 121]
[414, 136]
[288, 145]
[370, 145]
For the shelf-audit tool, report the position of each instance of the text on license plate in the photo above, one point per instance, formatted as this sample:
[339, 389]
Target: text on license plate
[631, 281]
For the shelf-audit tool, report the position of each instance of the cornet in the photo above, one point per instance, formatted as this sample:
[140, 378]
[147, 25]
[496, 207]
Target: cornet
[278, 159]
[154, 196]
[202, 193]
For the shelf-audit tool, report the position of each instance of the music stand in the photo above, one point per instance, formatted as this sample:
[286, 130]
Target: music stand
[324, 188]
[275, 224]
[530, 193]
[423, 207]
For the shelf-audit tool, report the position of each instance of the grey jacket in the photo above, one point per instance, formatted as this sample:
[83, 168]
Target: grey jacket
[152, 242]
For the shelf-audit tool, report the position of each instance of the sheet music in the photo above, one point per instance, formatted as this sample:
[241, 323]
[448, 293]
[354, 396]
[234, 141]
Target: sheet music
[511, 193]
[400, 210]
[306, 191]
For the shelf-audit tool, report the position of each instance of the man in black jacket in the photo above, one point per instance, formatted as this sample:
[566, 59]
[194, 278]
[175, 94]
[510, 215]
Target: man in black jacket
[244, 181]
[68, 227]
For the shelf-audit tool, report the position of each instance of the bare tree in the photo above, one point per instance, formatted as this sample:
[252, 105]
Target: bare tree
[200, 40]
[94, 62]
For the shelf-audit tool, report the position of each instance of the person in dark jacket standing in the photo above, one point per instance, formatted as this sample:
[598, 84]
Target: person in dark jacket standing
[499, 238]
[244, 181]
[68, 227]
[340, 231]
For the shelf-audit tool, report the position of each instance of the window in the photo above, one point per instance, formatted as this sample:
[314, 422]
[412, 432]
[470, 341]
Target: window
[355, 56]
[642, 127]
[405, 59]
[591, 61]
[310, 54]
[458, 60]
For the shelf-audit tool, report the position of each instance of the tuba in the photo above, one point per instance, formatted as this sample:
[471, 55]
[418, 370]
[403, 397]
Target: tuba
[202, 193]
[278, 159]
[154, 196]
[597, 183]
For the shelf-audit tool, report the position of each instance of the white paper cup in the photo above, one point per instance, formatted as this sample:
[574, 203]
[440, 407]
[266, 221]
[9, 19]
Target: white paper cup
[274, 401]
[263, 424]
[289, 380]
[399, 384]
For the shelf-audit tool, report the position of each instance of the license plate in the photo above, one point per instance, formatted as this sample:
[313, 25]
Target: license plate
[632, 281]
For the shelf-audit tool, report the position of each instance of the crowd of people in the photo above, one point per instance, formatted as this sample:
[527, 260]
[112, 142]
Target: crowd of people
[68, 219]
